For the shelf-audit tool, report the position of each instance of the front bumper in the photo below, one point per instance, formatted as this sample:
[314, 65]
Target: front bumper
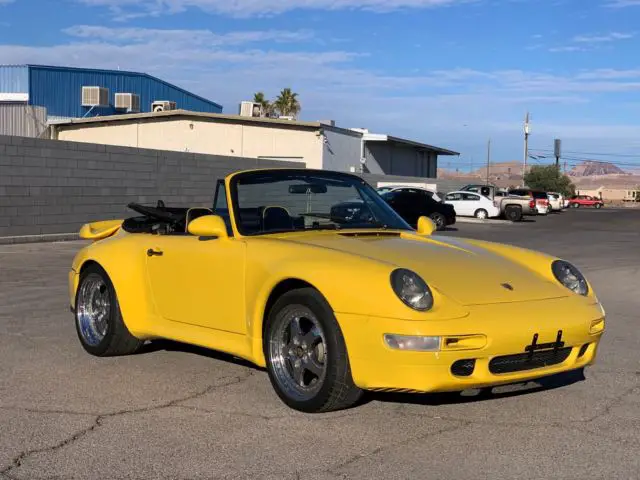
[506, 330]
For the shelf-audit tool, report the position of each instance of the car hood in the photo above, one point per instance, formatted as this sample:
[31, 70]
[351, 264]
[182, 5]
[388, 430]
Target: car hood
[466, 273]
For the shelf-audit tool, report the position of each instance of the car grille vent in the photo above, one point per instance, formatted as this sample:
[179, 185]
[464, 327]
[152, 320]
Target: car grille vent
[525, 361]
[370, 234]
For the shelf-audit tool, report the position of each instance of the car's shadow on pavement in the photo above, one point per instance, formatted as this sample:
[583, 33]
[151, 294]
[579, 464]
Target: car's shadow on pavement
[430, 399]
[512, 390]
[171, 346]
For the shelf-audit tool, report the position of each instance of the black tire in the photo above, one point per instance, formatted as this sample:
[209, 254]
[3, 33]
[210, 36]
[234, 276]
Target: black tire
[439, 220]
[336, 390]
[575, 205]
[117, 340]
[598, 205]
[513, 213]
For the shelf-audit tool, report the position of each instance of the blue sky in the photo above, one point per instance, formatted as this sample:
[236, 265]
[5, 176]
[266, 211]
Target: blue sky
[446, 72]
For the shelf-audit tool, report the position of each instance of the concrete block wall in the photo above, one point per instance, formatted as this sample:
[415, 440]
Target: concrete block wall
[50, 187]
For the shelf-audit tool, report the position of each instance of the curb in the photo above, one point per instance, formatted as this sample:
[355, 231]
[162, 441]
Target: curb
[51, 237]
[489, 221]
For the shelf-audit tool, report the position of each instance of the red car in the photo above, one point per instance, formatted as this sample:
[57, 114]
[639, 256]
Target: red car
[578, 201]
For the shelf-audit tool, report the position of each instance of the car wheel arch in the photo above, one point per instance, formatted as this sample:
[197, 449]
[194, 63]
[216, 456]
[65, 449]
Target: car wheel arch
[276, 291]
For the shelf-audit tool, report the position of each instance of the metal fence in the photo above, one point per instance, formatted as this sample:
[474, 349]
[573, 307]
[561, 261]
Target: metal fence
[22, 120]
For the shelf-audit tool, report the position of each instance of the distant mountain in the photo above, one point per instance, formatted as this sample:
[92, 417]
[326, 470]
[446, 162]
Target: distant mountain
[590, 169]
[501, 170]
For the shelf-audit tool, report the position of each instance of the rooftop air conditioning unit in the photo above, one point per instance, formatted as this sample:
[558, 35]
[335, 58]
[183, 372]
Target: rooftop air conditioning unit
[162, 106]
[95, 97]
[286, 117]
[130, 102]
[250, 109]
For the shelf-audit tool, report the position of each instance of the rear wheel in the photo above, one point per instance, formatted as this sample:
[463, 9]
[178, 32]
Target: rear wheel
[513, 213]
[439, 220]
[598, 205]
[99, 322]
[575, 205]
[481, 213]
[306, 354]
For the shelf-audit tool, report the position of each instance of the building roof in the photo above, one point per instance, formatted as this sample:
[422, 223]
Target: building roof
[378, 137]
[170, 114]
[117, 72]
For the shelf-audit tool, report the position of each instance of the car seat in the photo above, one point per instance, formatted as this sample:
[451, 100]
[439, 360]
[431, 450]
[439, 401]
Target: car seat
[276, 218]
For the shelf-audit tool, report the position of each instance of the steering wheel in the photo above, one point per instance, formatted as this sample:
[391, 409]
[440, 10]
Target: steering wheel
[155, 213]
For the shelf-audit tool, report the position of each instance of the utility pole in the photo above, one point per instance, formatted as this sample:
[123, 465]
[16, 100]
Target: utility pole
[488, 158]
[526, 146]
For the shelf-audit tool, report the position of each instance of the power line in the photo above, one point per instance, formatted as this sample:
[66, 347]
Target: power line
[626, 155]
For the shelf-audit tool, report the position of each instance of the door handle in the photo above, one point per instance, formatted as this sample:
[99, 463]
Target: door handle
[151, 252]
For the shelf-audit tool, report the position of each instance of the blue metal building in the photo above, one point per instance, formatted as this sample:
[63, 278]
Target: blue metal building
[68, 92]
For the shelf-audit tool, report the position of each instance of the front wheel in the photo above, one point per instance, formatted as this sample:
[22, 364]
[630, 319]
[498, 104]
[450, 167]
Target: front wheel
[438, 220]
[99, 322]
[306, 354]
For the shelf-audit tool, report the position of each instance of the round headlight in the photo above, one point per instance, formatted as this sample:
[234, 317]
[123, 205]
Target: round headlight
[570, 277]
[411, 289]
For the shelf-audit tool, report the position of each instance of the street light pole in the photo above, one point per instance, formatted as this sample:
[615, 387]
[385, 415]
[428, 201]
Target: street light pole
[526, 146]
[488, 158]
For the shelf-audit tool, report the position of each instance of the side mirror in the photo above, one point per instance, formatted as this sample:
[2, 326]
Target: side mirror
[426, 226]
[208, 226]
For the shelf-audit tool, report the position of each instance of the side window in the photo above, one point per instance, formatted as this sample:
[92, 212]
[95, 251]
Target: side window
[470, 197]
[453, 197]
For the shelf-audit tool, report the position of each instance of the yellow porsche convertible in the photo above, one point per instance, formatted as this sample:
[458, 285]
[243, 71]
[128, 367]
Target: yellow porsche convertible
[312, 275]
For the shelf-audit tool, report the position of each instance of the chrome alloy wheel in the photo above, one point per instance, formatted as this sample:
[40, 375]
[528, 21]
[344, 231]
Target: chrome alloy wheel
[298, 354]
[93, 309]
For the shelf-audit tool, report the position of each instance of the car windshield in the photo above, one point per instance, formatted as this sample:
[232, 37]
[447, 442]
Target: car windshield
[294, 200]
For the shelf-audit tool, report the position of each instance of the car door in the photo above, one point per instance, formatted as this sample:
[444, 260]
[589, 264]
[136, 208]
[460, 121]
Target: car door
[198, 281]
[469, 204]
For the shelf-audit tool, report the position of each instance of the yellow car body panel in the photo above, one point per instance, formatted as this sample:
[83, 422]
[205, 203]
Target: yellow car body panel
[213, 292]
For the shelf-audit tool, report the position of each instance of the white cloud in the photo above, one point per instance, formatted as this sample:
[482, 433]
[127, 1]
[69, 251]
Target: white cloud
[623, 3]
[5, 2]
[197, 37]
[583, 43]
[246, 8]
[609, 37]
[567, 48]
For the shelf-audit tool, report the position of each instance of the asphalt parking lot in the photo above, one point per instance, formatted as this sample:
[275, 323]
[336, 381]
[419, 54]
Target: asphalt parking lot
[176, 412]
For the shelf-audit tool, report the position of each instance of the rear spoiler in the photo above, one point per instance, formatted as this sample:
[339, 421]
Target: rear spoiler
[99, 230]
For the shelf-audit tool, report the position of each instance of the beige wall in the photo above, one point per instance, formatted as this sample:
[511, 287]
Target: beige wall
[205, 137]
[612, 194]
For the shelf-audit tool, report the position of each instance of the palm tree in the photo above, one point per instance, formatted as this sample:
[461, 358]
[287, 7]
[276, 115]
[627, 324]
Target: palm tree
[287, 103]
[267, 107]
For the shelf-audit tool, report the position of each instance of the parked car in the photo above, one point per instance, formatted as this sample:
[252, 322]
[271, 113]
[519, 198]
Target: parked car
[578, 201]
[540, 199]
[329, 307]
[556, 201]
[413, 203]
[437, 196]
[511, 207]
[471, 204]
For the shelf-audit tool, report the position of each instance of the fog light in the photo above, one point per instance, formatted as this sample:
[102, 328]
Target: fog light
[597, 326]
[405, 342]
